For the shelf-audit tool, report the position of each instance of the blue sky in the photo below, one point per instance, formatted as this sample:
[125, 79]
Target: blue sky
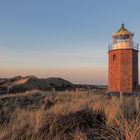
[62, 38]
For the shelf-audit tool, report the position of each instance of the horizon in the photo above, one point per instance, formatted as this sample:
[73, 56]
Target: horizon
[66, 39]
[34, 76]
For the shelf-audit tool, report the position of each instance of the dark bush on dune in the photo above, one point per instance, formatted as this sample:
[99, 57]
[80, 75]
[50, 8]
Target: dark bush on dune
[80, 120]
[61, 126]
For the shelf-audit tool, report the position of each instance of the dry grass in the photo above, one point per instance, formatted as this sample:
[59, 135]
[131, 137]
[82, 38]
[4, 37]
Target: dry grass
[37, 115]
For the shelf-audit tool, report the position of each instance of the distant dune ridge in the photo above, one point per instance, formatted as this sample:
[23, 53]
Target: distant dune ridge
[22, 84]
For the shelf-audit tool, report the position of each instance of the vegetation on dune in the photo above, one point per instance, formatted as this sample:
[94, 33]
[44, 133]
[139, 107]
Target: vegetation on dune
[38, 115]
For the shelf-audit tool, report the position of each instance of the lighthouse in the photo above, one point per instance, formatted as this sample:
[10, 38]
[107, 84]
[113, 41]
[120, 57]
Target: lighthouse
[122, 62]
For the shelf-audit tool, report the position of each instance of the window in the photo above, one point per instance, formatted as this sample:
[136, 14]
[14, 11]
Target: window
[114, 57]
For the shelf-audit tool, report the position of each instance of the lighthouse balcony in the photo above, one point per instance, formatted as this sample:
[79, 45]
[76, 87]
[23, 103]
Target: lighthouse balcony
[123, 45]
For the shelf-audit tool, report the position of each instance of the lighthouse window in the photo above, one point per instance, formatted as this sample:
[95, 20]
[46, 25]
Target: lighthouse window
[114, 57]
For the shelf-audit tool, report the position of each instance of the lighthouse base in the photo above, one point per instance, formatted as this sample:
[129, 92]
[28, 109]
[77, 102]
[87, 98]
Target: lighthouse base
[123, 93]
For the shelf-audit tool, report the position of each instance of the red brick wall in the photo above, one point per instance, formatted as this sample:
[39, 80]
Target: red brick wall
[135, 69]
[114, 71]
[123, 70]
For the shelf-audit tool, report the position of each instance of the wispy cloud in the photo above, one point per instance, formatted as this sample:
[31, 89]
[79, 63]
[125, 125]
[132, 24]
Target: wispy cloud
[6, 58]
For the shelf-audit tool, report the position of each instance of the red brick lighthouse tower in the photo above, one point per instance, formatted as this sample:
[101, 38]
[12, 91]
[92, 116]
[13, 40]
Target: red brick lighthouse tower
[123, 62]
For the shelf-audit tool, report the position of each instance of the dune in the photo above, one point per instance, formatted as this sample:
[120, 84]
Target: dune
[21, 84]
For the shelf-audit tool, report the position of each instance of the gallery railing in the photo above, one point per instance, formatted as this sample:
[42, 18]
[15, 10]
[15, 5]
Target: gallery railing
[123, 45]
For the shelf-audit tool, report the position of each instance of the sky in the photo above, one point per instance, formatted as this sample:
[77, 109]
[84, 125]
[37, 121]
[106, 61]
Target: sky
[62, 38]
